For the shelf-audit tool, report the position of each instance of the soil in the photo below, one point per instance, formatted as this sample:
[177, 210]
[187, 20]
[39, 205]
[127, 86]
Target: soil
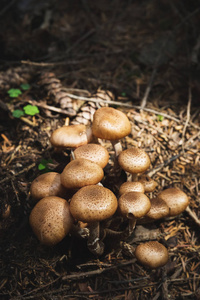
[143, 57]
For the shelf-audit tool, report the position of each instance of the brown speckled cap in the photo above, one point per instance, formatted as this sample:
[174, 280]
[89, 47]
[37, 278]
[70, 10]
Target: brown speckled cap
[176, 199]
[51, 220]
[134, 160]
[159, 209]
[48, 184]
[131, 186]
[93, 152]
[110, 124]
[134, 205]
[71, 136]
[148, 182]
[93, 203]
[152, 254]
[81, 172]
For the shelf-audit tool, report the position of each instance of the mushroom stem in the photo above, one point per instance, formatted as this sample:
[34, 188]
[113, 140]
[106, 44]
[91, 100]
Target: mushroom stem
[135, 177]
[94, 244]
[131, 225]
[79, 232]
[117, 146]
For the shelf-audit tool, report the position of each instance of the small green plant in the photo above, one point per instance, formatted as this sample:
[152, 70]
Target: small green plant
[25, 86]
[43, 165]
[14, 93]
[160, 118]
[30, 110]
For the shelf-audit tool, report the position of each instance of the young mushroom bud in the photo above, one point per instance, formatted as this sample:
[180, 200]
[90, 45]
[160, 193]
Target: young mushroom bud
[131, 186]
[133, 205]
[48, 184]
[134, 161]
[148, 182]
[81, 172]
[92, 204]
[51, 220]
[176, 199]
[152, 254]
[93, 152]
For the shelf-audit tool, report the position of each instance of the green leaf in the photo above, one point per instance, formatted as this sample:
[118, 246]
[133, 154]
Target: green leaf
[160, 118]
[31, 110]
[25, 86]
[43, 164]
[13, 93]
[123, 94]
[17, 113]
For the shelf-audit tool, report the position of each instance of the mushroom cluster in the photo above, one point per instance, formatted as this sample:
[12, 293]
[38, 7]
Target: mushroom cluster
[76, 201]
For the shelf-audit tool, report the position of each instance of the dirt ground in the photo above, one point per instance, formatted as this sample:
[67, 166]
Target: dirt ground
[145, 55]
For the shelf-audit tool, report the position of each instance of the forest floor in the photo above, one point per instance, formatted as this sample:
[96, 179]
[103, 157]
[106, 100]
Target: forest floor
[56, 57]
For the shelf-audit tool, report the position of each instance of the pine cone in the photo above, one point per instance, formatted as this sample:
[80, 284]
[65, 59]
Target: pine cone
[54, 88]
[15, 76]
[85, 115]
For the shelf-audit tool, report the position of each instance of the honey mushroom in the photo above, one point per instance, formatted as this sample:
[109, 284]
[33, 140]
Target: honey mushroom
[81, 172]
[148, 183]
[51, 220]
[132, 206]
[94, 152]
[92, 204]
[131, 186]
[152, 254]
[134, 161]
[48, 184]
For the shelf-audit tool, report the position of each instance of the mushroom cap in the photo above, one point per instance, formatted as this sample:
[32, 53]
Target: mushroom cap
[148, 182]
[176, 199]
[48, 184]
[159, 209]
[134, 160]
[93, 203]
[81, 172]
[71, 136]
[110, 124]
[134, 205]
[152, 254]
[51, 220]
[131, 186]
[93, 152]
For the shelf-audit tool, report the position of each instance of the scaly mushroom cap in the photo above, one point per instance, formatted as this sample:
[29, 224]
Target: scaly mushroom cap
[159, 209]
[93, 152]
[71, 136]
[51, 220]
[48, 184]
[134, 205]
[93, 203]
[110, 124]
[152, 254]
[131, 186]
[134, 160]
[148, 182]
[176, 199]
[81, 172]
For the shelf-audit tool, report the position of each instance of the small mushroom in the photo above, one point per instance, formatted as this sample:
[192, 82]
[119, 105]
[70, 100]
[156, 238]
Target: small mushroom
[48, 184]
[51, 220]
[93, 152]
[159, 209]
[92, 204]
[134, 161]
[176, 199]
[81, 172]
[133, 205]
[152, 254]
[131, 186]
[71, 136]
[148, 182]
[111, 124]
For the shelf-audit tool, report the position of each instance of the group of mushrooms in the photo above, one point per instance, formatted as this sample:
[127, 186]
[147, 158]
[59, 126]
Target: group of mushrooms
[75, 202]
